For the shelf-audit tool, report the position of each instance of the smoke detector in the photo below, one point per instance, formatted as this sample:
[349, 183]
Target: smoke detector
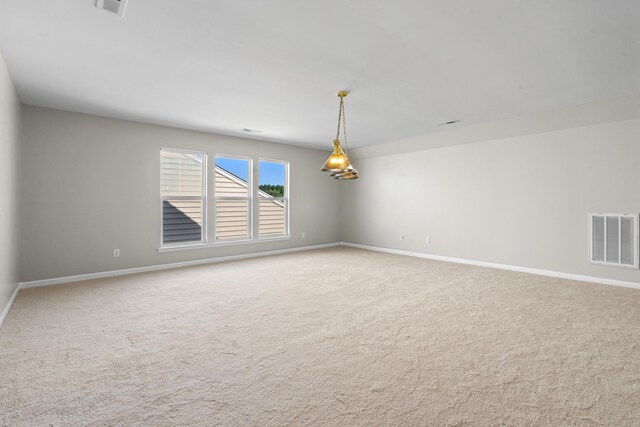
[112, 6]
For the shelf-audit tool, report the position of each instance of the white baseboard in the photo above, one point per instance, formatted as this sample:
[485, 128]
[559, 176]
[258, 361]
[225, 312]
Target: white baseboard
[113, 273]
[5, 312]
[548, 273]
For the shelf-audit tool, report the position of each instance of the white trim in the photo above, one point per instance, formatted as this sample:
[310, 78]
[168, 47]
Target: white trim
[180, 150]
[219, 243]
[5, 312]
[233, 156]
[558, 274]
[114, 273]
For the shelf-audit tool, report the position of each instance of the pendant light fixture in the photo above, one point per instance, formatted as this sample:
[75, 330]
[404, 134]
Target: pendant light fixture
[338, 162]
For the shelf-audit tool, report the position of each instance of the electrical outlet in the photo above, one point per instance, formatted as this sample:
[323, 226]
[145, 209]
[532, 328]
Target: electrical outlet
[304, 235]
[402, 237]
[116, 253]
[427, 240]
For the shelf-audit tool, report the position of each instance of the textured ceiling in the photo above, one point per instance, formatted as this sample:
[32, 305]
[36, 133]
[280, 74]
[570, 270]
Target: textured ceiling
[221, 66]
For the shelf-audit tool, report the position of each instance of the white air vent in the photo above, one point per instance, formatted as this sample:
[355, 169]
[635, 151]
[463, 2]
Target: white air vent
[113, 6]
[613, 239]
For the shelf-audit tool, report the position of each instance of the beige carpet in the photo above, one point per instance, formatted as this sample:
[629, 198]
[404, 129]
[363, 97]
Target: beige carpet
[330, 337]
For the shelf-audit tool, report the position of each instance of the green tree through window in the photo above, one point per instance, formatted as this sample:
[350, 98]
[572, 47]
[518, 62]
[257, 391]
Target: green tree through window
[273, 190]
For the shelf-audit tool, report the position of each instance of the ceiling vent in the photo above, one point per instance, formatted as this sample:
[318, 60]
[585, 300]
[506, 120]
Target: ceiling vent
[450, 122]
[113, 6]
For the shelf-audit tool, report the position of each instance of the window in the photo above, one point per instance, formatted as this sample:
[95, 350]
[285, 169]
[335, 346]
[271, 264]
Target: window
[249, 200]
[273, 198]
[233, 198]
[183, 196]
[614, 239]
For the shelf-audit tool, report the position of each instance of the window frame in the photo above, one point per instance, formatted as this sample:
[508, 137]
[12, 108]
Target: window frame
[203, 199]
[249, 199]
[285, 198]
[209, 205]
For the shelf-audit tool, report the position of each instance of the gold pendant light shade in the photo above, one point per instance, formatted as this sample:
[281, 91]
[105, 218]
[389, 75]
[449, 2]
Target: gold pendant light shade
[348, 173]
[338, 163]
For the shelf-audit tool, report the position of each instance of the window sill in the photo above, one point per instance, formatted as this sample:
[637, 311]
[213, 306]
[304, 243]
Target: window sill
[221, 243]
[614, 264]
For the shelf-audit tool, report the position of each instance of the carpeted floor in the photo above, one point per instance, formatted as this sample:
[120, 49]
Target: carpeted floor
[329, 337]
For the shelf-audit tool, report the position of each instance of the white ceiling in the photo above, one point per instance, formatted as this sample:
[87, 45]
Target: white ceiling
[221, 66]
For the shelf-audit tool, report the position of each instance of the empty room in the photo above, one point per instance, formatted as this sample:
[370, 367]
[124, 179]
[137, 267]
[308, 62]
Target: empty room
[319, 213]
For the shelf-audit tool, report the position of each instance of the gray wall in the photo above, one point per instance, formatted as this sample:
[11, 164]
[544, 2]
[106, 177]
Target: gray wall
[517, 200]
[9, 153]
[92, 185]
[512, 192]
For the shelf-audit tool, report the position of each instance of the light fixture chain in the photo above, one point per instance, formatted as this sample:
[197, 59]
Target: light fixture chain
[340, 117]
[344, 129]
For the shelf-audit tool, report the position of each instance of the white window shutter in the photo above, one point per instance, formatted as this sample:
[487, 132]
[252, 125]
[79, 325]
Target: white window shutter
[183, 193]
